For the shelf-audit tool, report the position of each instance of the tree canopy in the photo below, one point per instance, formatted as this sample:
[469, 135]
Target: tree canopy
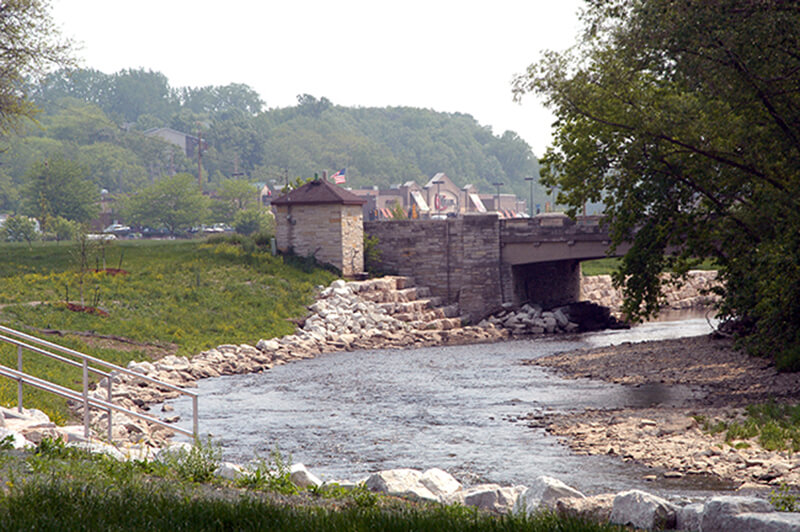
[60, 188]
[173, 203]
[378, 146]
[684, 118]
[29, 44]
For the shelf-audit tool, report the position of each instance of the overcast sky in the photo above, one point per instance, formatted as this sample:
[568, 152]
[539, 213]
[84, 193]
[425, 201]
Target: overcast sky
[451, 56]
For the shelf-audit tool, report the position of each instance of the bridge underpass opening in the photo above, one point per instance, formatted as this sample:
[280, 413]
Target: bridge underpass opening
[548, 284]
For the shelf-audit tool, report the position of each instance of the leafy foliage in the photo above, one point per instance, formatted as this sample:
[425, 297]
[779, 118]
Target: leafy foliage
[683, 118]
[784, 500]
[250, 221]
[197, 463]
[775, 425]
[175, 203]
[30, 43]
[60, 188]
[378, 146]
[19, 229]
[271, 475]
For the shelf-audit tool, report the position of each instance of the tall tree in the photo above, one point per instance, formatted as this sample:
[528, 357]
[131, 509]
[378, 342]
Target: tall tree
[175, 203]
[684, 117]
[60, 187]
[29, 44]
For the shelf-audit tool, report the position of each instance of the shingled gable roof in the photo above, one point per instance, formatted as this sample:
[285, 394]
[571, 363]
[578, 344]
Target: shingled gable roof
[319, 192]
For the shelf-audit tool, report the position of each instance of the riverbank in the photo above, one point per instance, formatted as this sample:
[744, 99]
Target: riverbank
[716, 383]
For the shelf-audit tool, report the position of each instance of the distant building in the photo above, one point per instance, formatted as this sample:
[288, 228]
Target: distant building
[506, 205]
[440, 196]
[443, 195]
[188, 143]
[381, 203]
[472, 200]
[265, 194]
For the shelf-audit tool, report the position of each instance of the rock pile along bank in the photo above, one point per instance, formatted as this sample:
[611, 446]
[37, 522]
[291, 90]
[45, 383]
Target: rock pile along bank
[695, 293]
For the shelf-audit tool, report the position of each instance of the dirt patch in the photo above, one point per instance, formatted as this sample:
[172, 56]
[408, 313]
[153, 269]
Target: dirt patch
[74, 307]
[670, 437]
[153, 351]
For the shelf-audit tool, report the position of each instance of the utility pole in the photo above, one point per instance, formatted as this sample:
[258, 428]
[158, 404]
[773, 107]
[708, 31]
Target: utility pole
[199, 156]
[530, 207]
[497, 196]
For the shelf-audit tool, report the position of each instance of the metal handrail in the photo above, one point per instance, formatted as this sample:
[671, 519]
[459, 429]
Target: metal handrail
[23, 378]
[72, 394]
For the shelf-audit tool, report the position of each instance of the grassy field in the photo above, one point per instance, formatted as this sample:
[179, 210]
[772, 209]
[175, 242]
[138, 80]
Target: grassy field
[608, 266]
[59, 488]
[171, 297]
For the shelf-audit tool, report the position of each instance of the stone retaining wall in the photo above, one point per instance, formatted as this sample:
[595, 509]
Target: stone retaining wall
[459, 258]
[692, 294]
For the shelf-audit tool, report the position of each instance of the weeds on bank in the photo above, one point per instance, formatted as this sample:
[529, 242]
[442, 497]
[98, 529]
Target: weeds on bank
[57, 487]
[272, 474]
[197, 463]
[775, 425]
[784, 500]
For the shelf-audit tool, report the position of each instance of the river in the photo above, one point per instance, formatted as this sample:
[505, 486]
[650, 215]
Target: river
[345, 415]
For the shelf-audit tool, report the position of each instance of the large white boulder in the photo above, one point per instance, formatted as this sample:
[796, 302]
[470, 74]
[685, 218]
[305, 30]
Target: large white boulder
[595, 508]
[440, 482]
[643, 510]
[491, 497]
[544, 492]
[229, 471]
[145, 368]
[16, 439]
[746, 514]
[302, 477]
[690, 517]
[400, 483]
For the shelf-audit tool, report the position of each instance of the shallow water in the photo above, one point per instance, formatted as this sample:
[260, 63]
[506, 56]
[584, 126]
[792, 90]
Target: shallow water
[345, 415]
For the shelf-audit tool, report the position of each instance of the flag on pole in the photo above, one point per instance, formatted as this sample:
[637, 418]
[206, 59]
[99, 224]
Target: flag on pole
[339, 177]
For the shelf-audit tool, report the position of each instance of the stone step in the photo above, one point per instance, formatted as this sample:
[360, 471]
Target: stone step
[442, 324]
[423, 316]
[409, 307]
[402, 282]
[382, 284]
[404, 295]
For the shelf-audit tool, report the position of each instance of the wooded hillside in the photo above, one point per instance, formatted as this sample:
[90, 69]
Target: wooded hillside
[98, 121]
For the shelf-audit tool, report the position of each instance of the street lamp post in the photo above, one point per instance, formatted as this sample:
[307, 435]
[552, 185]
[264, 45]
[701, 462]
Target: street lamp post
[530, 208]
[497, 197]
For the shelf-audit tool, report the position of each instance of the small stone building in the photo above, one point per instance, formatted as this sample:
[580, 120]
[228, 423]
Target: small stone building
[322, 220]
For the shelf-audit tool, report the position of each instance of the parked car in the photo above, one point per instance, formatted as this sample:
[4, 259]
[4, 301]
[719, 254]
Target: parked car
[117, 229]
[104, 236]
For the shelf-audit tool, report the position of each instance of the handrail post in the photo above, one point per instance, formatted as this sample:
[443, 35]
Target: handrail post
[19, 382]
[194, 417]
[85, 399]
[110, 397]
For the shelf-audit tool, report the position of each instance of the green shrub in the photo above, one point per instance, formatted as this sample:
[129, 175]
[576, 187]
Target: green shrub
[196, 464]
[784, 500]
[270, 475]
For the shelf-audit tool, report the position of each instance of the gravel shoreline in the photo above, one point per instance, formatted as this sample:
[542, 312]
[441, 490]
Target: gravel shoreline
[717, 380]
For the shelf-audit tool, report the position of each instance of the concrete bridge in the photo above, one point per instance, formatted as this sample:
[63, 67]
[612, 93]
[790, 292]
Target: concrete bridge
[480, 261]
